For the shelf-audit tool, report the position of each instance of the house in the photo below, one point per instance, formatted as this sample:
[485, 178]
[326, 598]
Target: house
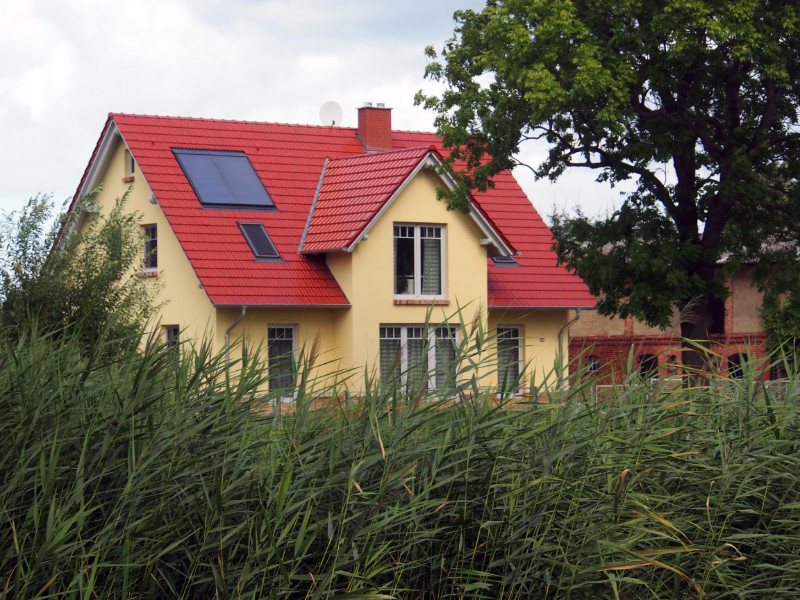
[604, 344]
[299, 235]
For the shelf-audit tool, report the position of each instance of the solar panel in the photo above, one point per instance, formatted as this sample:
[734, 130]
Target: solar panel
[258, 240]
[223, 179]
[504, 261]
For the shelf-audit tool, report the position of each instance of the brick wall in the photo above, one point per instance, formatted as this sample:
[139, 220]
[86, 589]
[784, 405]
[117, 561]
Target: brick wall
[616, 352]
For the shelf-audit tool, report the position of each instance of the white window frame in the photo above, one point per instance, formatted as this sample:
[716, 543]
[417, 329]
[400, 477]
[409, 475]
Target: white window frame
[417, 281]
[130, 165]
[518, 335]
[147, 254]
[429, 337]
[293, 329]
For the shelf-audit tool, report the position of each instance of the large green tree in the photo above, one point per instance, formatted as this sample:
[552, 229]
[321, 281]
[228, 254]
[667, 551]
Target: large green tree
[695, 101]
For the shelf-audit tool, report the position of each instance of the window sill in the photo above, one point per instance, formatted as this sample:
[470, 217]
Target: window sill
[150, 273]
[128, 179]
[421, 302]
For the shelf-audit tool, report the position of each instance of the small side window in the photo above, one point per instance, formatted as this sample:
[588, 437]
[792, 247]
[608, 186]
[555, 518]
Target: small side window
[172, 335]
[130, 167]
[150, 260]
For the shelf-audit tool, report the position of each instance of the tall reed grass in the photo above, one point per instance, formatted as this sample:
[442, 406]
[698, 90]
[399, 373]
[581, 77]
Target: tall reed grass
[159, 476]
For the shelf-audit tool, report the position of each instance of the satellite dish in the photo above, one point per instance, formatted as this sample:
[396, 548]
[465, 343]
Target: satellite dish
[330, 113]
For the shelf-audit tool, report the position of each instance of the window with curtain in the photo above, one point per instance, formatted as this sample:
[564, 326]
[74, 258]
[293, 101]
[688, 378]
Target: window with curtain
[418, 260]
[445, 361]
[150, 233]
[418, 356]
[508, 358]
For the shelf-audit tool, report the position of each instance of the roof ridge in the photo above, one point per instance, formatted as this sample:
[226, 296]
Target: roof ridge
[254, 122]
[257, 122]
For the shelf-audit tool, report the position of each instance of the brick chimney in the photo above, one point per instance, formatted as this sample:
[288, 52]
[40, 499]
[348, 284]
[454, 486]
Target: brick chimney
[375, 127]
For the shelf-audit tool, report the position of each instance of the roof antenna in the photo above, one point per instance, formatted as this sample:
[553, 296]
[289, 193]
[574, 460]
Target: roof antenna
[330, 114]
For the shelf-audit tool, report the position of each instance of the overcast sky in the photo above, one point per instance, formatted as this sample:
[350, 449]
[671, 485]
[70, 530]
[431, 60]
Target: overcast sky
[64, 65]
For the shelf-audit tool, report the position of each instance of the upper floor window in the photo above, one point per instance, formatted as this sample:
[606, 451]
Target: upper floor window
[717, 309]
[418, 264]
[258, 240]
[150, 262]
[130, 167]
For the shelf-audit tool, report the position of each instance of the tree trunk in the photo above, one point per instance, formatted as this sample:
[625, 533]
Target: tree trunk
[695, 326]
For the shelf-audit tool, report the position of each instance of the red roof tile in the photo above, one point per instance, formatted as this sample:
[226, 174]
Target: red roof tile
[289, 160]
[354, 190]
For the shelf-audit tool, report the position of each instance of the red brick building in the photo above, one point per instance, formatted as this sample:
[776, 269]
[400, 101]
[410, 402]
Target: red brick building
[606, 344]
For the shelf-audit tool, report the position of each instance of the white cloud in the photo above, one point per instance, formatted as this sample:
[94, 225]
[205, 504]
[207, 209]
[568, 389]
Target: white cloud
[39, 64]
[40, 89]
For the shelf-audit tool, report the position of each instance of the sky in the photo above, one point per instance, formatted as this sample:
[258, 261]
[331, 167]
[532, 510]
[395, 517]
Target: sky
[64, 65]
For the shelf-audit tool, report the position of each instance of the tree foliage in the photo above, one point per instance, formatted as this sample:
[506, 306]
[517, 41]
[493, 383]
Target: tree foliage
[695, 101]
[59, 273]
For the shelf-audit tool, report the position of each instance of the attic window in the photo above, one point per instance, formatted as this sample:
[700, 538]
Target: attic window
[504, 261]
[258, 240]
[223, 179]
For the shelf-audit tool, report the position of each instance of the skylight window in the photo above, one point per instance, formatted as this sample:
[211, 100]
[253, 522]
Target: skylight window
[504, 261]
[258, 240]
[223, 179]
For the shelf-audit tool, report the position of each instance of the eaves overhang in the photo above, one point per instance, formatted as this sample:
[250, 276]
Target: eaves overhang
[526, 307]
[277, 305]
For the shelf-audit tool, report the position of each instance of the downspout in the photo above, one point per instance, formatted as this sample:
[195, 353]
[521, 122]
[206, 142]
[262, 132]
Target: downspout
[228, 335]
[561, 335]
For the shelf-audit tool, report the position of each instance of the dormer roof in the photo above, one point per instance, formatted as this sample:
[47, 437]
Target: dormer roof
[356, 190]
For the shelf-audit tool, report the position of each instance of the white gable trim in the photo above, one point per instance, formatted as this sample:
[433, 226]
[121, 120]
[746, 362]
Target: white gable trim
[102, 159]
[431, 161]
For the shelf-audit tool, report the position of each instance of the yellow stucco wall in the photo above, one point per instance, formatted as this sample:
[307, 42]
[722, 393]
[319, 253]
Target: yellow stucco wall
[540, 346]
[315, 331]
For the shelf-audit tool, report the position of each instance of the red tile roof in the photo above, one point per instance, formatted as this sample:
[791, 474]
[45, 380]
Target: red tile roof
[354, 189]
[289, 160]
